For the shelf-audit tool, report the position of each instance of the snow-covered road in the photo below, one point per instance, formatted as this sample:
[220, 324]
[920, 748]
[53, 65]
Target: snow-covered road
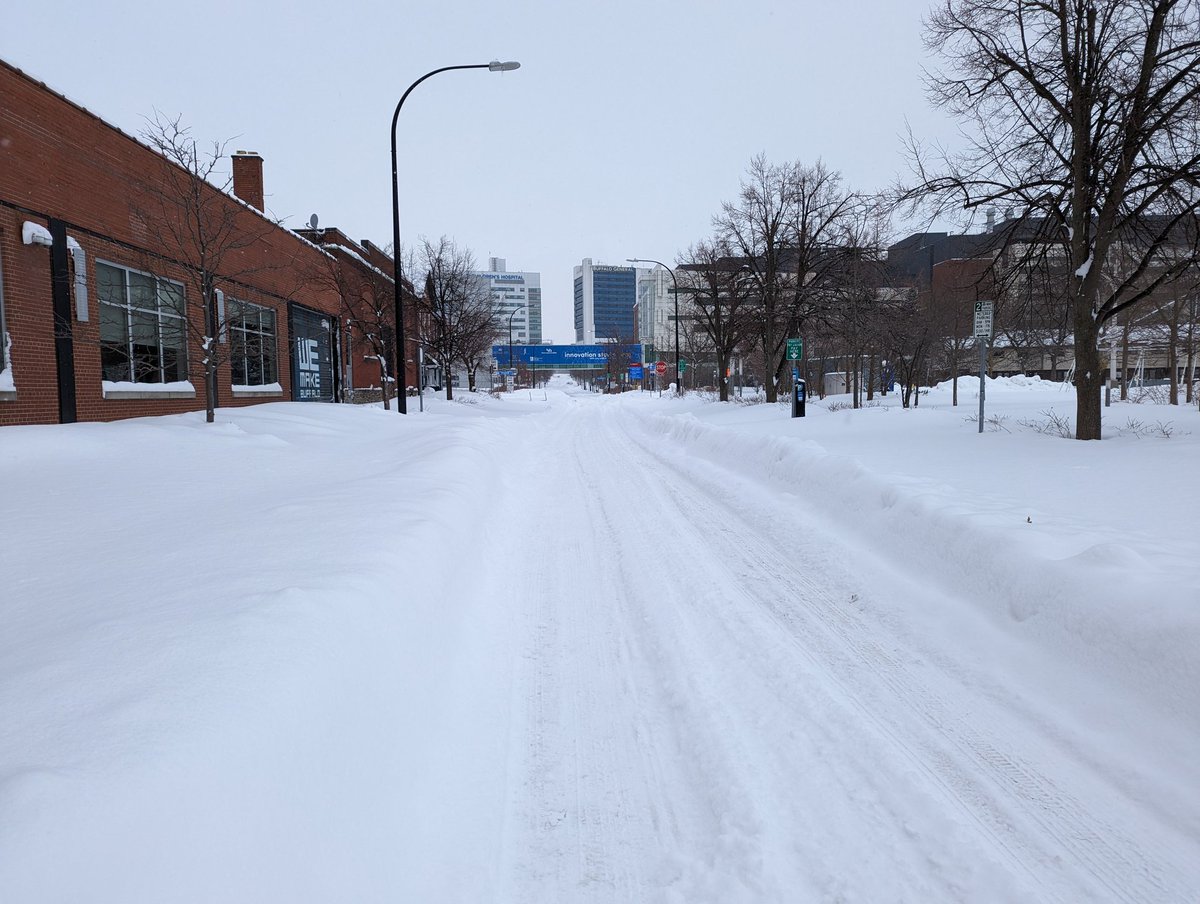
[653, 677]
[713, 698]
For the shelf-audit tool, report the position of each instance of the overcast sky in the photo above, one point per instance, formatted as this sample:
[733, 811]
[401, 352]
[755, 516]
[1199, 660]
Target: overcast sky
[627, 125]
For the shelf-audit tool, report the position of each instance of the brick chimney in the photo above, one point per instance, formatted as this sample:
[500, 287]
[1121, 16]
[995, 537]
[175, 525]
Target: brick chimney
[248, 178]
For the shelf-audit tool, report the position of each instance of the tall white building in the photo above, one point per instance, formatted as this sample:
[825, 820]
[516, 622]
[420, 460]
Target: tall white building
[518, 295]
[656, 307]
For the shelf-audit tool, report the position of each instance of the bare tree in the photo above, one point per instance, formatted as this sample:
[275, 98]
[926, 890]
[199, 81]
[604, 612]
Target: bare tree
[186, 201]
[367, 306]
[722, 293]
[1175, 309]
[907, 336]
[784, 220]
[830, 227]
[618, 358]
[452, 306]
[758, 227]
[479, 330]
[852, 286]
[1030, 283]
[1084, 114]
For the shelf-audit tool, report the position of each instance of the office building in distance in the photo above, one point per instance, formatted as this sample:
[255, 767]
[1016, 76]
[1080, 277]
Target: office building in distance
[605, 298]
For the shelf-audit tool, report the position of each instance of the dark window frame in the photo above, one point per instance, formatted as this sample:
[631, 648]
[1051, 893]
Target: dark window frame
[147, 324]
[253, 344]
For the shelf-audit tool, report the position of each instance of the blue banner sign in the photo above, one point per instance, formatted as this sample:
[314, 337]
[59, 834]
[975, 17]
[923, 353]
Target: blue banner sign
[568, 357]
[635, 373]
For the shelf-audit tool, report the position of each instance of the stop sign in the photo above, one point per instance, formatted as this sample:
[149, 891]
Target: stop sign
[660, 368]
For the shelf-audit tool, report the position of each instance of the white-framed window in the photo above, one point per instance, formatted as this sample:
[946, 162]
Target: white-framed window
[253, 349]
[143, 331]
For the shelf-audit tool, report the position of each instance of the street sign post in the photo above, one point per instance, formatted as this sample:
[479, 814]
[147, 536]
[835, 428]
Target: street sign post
[682, 366]
[982, 334]
[795, 349]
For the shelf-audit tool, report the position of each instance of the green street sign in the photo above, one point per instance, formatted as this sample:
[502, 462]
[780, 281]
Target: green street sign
[795, 349]
[682, 366]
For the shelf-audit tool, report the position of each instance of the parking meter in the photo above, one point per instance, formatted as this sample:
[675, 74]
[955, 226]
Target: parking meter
[798, 396]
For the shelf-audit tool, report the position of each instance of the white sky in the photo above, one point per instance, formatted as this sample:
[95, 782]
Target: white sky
[625, 128]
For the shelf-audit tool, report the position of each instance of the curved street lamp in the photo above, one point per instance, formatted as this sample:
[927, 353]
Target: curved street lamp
[512, 314]
[401, 370]
[648, 260]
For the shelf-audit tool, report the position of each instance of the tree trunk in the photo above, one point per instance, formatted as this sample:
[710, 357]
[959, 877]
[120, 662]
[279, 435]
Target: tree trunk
[770, 378]
[1126, 327]
[855, 380]
[210, 363]
[449, 384]
[1089, 375]
[1189, 373]
[1173, 358]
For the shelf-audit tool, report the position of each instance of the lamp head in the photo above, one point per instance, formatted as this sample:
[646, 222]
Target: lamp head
[497, 66]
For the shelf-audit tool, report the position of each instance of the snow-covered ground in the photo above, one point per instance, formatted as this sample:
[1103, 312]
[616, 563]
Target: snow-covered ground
[565, 647]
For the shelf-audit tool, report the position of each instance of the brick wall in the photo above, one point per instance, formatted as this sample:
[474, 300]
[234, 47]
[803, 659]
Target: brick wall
[365, 274]
[58, 160]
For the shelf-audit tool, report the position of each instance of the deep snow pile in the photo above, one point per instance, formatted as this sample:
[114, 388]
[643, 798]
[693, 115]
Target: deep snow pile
[215, 648]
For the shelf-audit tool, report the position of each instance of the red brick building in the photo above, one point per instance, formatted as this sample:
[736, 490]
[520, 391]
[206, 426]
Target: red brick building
[101, 307]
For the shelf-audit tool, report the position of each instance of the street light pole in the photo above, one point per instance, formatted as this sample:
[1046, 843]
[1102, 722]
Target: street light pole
[511, 315]
[647, 260]
[401, 370]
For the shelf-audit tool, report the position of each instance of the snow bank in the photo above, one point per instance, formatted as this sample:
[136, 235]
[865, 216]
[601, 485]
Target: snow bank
[1105, 605]
[1018, 383]
[186, 596]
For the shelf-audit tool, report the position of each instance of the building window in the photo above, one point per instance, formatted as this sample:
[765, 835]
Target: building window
[252, 344]
[143, 333]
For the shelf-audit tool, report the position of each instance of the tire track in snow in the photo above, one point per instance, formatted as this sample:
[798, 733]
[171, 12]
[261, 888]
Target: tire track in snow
[755, 750]
[717, 802]
[992, 784]
[589, 799]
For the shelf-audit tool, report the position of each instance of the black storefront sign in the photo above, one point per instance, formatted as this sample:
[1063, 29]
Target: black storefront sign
[312, 355]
